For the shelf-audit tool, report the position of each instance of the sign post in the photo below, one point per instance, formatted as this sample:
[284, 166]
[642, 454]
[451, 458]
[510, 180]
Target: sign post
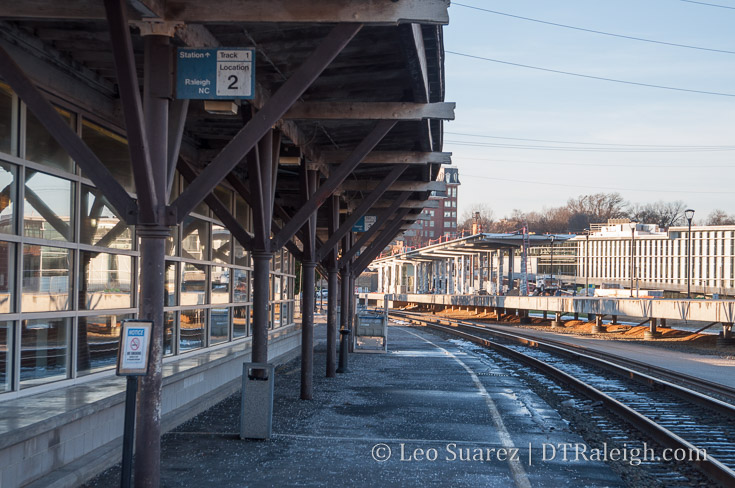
[132, 361]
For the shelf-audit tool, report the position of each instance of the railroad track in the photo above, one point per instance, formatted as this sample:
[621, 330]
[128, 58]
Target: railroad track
[675, 416]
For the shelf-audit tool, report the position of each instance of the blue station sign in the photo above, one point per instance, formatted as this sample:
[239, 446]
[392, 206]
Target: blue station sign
[364, 223]
[215, 74]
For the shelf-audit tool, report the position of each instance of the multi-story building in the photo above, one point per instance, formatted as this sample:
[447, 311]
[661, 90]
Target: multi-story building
[621, 252]
[440, 221]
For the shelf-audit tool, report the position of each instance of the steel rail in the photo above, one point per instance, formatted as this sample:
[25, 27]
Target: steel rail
[710, 466]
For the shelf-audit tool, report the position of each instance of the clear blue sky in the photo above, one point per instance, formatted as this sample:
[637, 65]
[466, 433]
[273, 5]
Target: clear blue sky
[506, 101]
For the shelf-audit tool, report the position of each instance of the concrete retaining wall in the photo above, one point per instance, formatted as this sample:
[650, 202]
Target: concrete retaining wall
[677, 309]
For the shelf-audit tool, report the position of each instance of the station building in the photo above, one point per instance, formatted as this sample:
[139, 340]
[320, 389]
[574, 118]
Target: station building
[123, 200]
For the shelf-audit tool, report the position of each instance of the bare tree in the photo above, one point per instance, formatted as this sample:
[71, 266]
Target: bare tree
[663, 214]
[719, 217]
[468, 217]
[598, 207]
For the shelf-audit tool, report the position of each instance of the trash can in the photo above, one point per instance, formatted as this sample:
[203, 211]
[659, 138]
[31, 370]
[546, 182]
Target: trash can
[256, 410]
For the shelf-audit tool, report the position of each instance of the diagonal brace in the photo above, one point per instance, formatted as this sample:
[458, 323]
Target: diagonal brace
[67, 138]
[335, 179]
[262, 122]
[361, 210]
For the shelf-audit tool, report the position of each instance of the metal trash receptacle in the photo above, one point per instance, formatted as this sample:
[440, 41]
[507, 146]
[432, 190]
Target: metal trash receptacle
[256, 410]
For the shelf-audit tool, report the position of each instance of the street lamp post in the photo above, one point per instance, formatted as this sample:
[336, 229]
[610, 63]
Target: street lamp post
[689, 214]
[633, 224]
[587, 263]
[552, 261]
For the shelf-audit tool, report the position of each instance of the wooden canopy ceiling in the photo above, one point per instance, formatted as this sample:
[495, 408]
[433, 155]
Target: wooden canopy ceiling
[392, 69]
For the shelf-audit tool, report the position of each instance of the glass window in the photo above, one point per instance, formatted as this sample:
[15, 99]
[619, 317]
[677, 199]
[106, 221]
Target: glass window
[242, 257]
[240, 321]
[6, 355]
[100, 225]
[220, 284]
[193, 284]
[42, 148]
[7, 119]
[276, 315]
[112, 151]
[105, 281]
[241, 285]
[47, 207]
[169, 324]
[195, 239]
[44, 351]
[7, 278]
[201, 208]
[7, 198]
[219, 330]
[169, 284]
[172, 242]
[191, 329]
[46, 279]
[98, 338]
[221, 238]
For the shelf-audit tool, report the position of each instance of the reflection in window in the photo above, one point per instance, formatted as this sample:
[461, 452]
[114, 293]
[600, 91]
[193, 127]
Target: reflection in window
[112, 150]
[7, 277]
[7, 118]
[6, 344]
[220, 284]
[276, 315]
[169, 325]
[219, 330]
[47, 207]
[221, 238]
[44, 350]
[100, 225]
[105, 280]
[240, 321]
[98, 338]
[242, 257]
[242, 283]
[46, 279]
[193, 284]
[191, 329]
[169, 284]
[195, 239]
[172, 242]
[7, 198]
[42, 148]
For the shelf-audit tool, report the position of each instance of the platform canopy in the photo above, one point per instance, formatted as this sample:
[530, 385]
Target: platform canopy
[355, 89]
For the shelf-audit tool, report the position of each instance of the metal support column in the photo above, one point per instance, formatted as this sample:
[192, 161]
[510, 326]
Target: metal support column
[332, 290]
[652, 333]
[344, 338]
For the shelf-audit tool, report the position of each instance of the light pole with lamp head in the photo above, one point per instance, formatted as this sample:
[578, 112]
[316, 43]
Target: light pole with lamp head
[689, 214]
[633, 224]
[587, 263]
[552, 260]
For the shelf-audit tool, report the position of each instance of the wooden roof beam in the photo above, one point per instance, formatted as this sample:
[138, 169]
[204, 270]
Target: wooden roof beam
[371, 111]
[226, 11]
[390, 157]
[366, 185]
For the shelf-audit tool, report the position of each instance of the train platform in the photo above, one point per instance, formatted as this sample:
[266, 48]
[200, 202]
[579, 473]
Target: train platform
[713, 367]
[429, 412]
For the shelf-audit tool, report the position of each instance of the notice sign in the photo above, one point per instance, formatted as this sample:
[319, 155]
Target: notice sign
[215, 74]
[364, 223]
[135, 341]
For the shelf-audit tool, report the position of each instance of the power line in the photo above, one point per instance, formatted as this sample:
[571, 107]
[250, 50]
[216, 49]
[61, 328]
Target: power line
[596, 165]
[589, 143]
[704, 92]
[647, 190]
[687, 46]
[579, 149]
[709, 4]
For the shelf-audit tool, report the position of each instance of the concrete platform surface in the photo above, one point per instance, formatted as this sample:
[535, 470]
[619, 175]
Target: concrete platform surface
[429, 412]
[714, 368]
